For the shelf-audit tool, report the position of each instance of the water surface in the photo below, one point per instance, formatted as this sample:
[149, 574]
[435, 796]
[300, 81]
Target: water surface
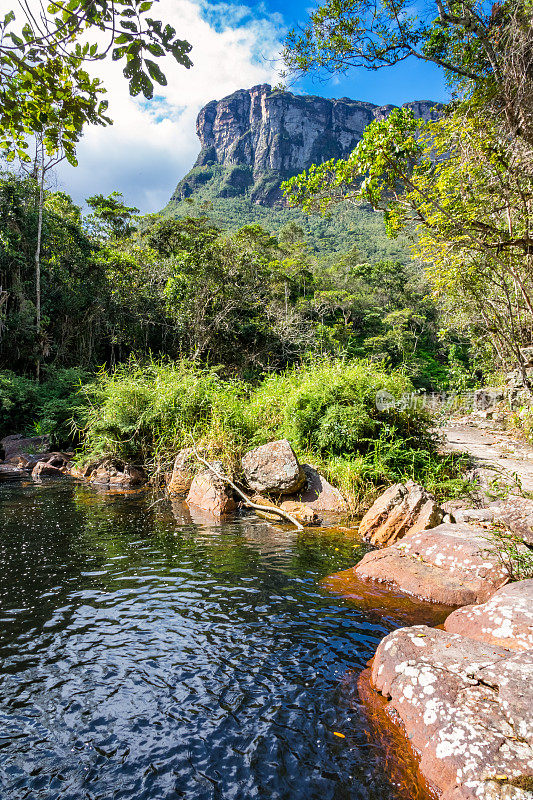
[147, 658]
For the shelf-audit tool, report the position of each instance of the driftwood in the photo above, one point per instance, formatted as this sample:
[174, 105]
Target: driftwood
[247, 502]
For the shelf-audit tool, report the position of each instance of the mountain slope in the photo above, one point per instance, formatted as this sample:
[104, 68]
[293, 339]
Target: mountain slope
[255, 138]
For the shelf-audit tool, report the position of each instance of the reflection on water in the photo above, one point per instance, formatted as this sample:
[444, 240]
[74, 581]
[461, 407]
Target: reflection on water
[147, 655]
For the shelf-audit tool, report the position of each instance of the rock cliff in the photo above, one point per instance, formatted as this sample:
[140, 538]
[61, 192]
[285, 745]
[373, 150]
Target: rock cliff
[255, 138]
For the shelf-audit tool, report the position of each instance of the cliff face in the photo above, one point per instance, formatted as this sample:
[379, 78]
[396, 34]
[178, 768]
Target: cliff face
[255, 138]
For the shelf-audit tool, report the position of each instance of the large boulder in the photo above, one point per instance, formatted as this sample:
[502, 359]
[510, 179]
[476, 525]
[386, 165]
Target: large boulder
[506, 619]
[115, 473]
[450, 564]
[273, 467]
[318, 494]
[183, 473]
[211, 494]
[405, 508]
[466, 708]
[17, 443]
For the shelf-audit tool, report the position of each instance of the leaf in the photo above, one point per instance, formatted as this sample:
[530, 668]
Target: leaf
[340, 735]
[155, 73]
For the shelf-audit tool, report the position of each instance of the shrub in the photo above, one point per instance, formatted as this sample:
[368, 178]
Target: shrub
[327, 410]
[330, 407]
[146, 413]
[29, 407]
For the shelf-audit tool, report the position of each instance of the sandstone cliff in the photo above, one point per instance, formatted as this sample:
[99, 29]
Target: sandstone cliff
[255, 138]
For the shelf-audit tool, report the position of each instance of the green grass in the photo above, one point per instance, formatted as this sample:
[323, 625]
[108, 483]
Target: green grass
[145, 413]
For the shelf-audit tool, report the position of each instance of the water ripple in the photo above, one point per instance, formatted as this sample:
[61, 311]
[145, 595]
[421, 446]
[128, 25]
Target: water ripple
[144, 660]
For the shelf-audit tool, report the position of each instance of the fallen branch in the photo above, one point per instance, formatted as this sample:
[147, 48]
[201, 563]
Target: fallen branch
[247, 502]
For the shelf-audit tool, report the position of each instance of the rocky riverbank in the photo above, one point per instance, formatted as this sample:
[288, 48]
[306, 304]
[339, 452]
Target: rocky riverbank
[460, 696]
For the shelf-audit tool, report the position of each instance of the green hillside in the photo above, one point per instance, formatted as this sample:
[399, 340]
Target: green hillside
[326, 236]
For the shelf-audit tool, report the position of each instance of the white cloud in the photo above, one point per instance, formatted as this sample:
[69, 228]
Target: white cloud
[152, 144]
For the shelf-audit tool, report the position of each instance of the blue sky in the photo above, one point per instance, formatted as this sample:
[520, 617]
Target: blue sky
[410, 80]
[235, 45]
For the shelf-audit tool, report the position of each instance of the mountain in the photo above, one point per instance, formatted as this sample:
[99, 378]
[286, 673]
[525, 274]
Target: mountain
[255, 138]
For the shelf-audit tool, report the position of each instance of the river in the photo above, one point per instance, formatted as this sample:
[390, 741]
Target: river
[144, 657]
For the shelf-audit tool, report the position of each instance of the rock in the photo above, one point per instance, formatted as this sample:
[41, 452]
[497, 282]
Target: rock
[527, 355]
[474, 514]
[320, 495]
[273, 467]
[301, 512]
[465, 708]
[23, 461]
[182, 473]
[403, 509]
[516, 513]
[486, 399]
[261, 136]
[82, 472]
[45, 469]
[210, 494]
[449, 564]
[506, 619]
[8, 472]
[16, 444]
[112, 472]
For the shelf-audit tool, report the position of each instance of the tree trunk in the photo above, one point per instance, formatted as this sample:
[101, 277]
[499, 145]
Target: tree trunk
[37, 259]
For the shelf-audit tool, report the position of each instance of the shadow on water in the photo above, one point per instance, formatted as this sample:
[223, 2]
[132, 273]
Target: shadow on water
[148, 656]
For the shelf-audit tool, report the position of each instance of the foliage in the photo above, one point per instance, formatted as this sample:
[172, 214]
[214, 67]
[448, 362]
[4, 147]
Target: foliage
[45, 87]
[515, 557]
[110, 216]
[326, 235]
[470, 196]
[29, 407]
[145, 413]
[347, 33]
[245, 299]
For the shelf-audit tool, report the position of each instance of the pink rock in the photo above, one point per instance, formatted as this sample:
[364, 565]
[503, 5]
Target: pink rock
[449, 564]
[183, 472]
[320, 495]
[45, 470]
[112, 472]
[464, 707]
[17, 444]
[506, 619]
[210, 494]
[401, 510]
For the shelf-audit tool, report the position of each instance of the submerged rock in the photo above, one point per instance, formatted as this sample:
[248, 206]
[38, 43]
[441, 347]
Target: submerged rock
[466, 708]
[210, 494]
[450, 564]
[506, 619]
[403, 509]
[302, 512]
[8, 472]
[112, 472]
[273, 467]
